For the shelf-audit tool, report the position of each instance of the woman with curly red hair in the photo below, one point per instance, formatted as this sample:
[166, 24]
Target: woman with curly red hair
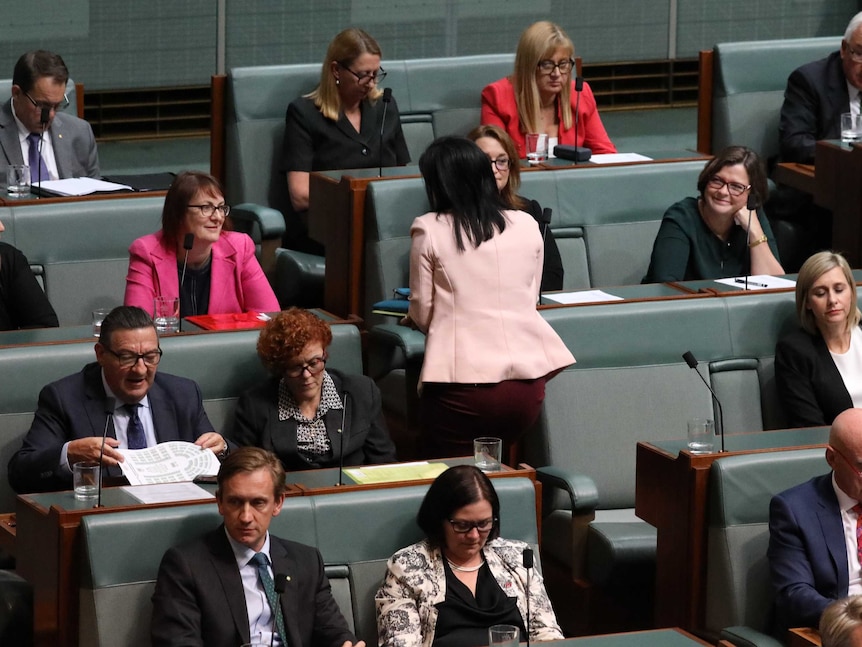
[299, 413]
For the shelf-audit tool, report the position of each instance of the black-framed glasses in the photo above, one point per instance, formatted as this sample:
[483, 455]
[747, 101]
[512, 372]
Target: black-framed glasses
[855, 56]
[463, 527]
[208, 210]
[314, 366]
[502, 163]
[733, 188]
[548, 66]
[128, 360]
[367, 77]
[42, 105]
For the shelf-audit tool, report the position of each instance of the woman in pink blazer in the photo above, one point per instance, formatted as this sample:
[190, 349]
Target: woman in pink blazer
[475, 270]
[540, 95]
[222, 274]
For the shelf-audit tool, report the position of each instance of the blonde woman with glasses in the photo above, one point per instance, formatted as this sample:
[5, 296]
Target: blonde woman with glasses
[540, 96]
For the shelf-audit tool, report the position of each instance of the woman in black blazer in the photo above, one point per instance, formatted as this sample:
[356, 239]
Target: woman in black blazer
[307, 415]
[818, 368]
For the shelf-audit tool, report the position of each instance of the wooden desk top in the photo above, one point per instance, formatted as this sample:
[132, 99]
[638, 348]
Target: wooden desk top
[7, 201]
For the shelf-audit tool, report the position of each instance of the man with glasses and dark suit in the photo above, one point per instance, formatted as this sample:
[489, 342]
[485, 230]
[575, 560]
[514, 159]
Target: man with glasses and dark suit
[34, 130]
[146, 408]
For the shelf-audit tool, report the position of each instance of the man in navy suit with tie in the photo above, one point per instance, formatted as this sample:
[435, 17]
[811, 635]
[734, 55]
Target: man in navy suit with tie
[814, 545]
[240, 584]
[60, 147]
[146, 408]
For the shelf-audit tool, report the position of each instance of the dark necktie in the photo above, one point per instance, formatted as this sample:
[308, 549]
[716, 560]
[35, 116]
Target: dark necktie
[37, 164]
[135, 435]
[261, 561]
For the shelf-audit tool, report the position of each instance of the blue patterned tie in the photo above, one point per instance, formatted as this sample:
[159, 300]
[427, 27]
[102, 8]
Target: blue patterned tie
[262, 563]
[135, 435]
[37, 163]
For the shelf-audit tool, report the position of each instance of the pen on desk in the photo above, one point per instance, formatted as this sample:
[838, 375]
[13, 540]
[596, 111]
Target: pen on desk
[749, 282]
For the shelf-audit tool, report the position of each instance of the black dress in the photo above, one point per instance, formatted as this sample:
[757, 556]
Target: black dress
[463, 619]
[552, 269]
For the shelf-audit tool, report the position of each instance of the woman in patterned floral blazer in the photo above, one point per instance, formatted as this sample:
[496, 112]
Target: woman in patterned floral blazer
[462, 578]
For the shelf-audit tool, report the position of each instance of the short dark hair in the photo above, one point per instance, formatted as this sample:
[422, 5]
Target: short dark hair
[731, 156]
[124, 318]
[452, 490]
[37, 64]
[251, 459]
[459, 181]
[181, 192]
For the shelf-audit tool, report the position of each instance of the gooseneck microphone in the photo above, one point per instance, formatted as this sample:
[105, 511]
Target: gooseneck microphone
[341, 432]
[44, 116]
[280, 587]
[582, 154]
[110, 403]
[692, 363]
[188, 243]
[544, 224]
[751, 205]
[527, 556]
[387, 99]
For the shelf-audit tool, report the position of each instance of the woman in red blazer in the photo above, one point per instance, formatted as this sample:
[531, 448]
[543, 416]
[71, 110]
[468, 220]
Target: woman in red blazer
[540, 95]
[222, 274]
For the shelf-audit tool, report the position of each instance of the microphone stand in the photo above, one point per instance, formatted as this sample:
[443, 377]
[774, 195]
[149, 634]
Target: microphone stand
[582, 153]
[341, 433]
[545, 222]
[110, 403]
[751, 205]
[692, 363]
[280, 586]
[387, 98]
[43, 122]
[527, 556]
[188, 243]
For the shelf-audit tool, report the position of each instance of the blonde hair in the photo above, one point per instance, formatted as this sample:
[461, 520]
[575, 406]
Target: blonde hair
[345, 48]
[816, 266]
[839, 620]
[535, 44]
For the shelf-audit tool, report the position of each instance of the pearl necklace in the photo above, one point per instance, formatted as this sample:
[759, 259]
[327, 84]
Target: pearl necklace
[465, 569]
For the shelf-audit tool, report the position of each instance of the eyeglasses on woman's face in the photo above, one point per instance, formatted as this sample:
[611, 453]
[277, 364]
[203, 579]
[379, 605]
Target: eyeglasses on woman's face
[366, 78]
[734, 188]
[207, 210]
[462, 527]
[548, 66]
[314, 366]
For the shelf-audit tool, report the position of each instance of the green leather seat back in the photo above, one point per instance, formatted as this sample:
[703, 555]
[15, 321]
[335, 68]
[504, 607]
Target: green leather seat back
[749, 79]
[738, 590]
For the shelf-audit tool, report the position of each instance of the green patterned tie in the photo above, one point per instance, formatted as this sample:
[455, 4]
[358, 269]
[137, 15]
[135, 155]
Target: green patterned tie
[262, 563]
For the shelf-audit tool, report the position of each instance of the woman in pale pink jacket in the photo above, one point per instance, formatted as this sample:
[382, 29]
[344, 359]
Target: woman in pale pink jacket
[222, 274]
[475, 271]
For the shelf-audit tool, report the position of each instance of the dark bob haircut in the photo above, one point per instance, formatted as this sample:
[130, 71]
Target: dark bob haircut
[452, 490]
[182, 191]
[731, 156]
[459, 181]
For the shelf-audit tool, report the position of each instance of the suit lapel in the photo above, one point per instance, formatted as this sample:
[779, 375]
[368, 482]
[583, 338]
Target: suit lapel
[829, 515]
[9, 141]
[224, 566]
[163, 413]
[60, 142]
[224, 264]
[166, 282]
[283, 563]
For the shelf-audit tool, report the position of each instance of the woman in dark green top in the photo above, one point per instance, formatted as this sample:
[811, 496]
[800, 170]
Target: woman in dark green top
[714, 235]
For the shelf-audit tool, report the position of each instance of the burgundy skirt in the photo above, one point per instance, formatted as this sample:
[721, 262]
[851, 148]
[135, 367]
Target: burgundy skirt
[452, 415]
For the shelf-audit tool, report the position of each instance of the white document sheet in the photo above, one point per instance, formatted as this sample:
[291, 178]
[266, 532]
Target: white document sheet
[582, 296]
[619, 158]
[168, 463]
[81, 186]
[168, 492]
[758, 282]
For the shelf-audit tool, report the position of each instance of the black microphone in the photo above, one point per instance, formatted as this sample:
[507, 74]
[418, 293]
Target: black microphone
[341, 432]
[582, 154]
[751, 205]
[280, 587]
[44, 115]
[692, 363]
[387, 99]
[527, 556]
[544, 223]
[110, 403]
[188, 243]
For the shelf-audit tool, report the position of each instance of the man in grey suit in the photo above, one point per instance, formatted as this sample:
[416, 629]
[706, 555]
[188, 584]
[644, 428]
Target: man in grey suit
[240, 584]
[33, 131]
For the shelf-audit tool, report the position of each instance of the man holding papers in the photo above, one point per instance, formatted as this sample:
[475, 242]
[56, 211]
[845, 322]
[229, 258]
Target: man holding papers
[122, 391]
[34, 131]
[239, 584]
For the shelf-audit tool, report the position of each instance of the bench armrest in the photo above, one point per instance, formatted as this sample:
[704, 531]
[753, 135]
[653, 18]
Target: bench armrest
[582, 490]
[253, 219]
[748, 637]
[394, 347]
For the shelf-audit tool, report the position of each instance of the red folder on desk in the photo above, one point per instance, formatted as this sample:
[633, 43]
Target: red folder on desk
[240, 321]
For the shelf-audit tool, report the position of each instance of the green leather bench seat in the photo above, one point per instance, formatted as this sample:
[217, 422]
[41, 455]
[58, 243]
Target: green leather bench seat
[224, 364]
[738, 587]
[80, 250]
[356, 532]
[749, 79]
